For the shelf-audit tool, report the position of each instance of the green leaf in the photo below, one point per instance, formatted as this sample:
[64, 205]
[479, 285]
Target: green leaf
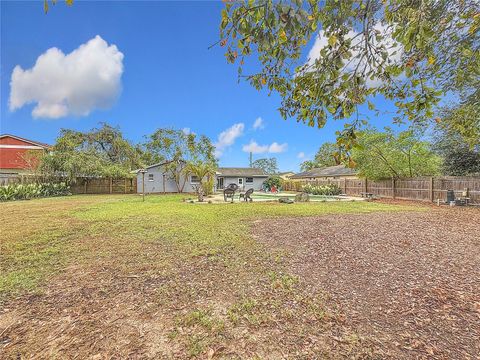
[332, 40]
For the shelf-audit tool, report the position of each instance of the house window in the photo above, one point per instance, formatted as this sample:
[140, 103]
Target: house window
[249, 180]
[240, 181]
[194, 179]
[150, 177]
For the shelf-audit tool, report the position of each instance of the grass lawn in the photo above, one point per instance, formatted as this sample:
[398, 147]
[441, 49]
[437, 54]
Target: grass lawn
[115, 276]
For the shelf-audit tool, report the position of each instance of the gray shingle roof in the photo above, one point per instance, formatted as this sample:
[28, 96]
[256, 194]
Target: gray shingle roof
[338, 170]
[234, 171]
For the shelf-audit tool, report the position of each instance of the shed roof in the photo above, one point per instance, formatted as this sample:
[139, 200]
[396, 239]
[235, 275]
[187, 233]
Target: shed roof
[338, 170]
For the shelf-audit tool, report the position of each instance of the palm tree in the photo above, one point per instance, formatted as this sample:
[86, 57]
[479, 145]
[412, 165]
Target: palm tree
[203, 171]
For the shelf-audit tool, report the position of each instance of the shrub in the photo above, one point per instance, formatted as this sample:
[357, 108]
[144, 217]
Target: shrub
[207, 186]
[329, 189]
[30, 191]
[272, 181]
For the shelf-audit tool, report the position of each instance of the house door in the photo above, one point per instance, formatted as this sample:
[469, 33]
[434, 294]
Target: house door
[220, 183]
[240, 183]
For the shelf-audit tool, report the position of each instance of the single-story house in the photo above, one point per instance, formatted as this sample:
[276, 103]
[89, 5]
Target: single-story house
[330, 172]
[245, 178]
[159, 180]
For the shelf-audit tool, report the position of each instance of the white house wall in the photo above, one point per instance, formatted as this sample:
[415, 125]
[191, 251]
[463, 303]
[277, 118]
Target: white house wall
[156, 186]
[256, 185]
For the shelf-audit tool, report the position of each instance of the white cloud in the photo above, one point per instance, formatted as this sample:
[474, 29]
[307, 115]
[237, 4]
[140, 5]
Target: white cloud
[77, 83]
[258, 124]
[227, 138]
[394, 50]
[254, 148]
[277, 148]
[301, 155]
[273, 148]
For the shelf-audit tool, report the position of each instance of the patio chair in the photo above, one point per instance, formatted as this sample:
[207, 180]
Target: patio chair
[228, 193]
[232, 186]
[246, 195]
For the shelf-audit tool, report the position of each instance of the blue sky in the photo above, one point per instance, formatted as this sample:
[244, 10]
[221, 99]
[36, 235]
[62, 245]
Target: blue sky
[168, 78]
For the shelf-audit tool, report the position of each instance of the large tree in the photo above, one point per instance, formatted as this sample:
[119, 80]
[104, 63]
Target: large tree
[328, 154]
[380, 155]
[308, 165]
[101, 151]
[462, 119]
[459, 157]
[269, 165]
[177, 149]
[409, 51]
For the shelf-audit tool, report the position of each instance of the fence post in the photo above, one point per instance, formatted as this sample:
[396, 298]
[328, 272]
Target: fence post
[345, 186]
[393, 188]
[125, 185]
[86, 182]
[366, 185]
[111, 185]
[431, 188]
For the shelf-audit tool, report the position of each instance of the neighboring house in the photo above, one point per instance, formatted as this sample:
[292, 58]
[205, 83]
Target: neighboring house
[18, 155]
[286, 175]
[158, 180]
[331, 172]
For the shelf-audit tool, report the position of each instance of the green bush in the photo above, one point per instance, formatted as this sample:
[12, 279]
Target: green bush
[30, 191]
[207, 186]
[273, 181]
[329, 189]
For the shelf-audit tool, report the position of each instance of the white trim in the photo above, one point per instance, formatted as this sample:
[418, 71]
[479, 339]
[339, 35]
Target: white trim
[3, 146]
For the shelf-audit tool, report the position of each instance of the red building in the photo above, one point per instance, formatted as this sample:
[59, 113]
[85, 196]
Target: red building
[17, 155]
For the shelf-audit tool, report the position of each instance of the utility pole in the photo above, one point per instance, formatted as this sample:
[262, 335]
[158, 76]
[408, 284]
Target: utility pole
[251, 158]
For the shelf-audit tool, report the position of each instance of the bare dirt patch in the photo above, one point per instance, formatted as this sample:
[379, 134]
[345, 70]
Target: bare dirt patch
[410, 281]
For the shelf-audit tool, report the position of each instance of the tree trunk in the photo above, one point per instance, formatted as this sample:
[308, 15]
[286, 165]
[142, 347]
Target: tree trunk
[200, 193]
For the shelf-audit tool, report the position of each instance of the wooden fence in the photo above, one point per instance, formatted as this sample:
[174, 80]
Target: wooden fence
[80, 185]
[421, 188]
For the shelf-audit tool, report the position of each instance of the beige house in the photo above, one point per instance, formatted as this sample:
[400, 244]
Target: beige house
[286, 175]
[331, 172]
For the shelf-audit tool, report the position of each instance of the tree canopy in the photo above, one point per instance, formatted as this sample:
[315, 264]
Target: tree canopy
[380, 155]
[459, 157]
[308, 165]
[101, 151]
[269, 165]
[329, 154]
[410, 52]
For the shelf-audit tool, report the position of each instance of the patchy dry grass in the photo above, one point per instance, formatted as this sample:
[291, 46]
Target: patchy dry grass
[113, 276]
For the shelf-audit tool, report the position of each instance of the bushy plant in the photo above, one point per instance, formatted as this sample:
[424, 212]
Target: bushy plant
[328, 189]
[271, 182]
[30, 191]
[207, 186]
